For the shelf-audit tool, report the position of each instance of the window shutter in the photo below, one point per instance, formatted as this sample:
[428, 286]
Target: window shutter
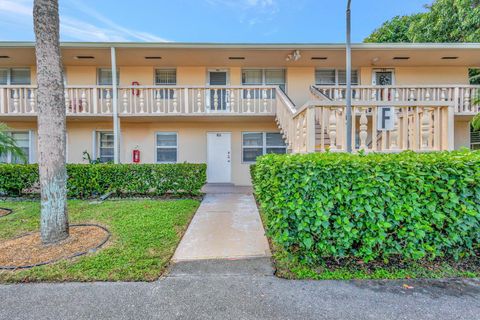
[93, 154]
[31, 147]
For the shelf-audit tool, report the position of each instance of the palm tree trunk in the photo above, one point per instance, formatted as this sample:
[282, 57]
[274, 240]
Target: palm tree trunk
[51, 122]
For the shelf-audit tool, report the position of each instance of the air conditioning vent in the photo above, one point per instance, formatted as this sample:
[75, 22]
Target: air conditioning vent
[84, 57]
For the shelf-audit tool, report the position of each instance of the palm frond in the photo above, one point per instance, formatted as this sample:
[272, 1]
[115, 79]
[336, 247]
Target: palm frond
[8, 144]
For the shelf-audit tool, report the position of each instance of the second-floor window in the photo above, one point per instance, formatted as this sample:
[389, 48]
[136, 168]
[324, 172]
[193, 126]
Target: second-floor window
[269, 77]
[104, 77]
[334, 77]
[165, 77]
[15, 76]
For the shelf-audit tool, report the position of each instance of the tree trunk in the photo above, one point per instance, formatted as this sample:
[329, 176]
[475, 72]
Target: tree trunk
[51, 122]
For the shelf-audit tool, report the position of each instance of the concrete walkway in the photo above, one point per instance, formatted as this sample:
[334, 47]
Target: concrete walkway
[242, 289]
[227, 225]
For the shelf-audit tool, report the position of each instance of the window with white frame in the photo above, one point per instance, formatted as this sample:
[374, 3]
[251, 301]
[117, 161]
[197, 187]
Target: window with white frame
[15, 76]
[22, 140]
[166, 147]
[105, 146]
[166, 77]
[104, 76]
[333, 77]
[255, 144]
[269, 77]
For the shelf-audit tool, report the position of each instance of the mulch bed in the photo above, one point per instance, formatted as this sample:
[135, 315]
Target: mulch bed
[28, 251]
[4, 212]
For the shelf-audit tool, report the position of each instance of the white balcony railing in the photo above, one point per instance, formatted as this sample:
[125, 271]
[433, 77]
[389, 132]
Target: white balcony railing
[463, 97]
[148, 100]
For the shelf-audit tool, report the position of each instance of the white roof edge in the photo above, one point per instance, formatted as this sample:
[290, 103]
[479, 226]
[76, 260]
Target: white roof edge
[260, 46]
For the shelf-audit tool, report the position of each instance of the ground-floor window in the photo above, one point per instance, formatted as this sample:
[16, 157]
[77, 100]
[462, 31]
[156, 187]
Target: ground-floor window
[167, 147]
[475, 140]
[22, 139]
[255, 144]
[105, 146]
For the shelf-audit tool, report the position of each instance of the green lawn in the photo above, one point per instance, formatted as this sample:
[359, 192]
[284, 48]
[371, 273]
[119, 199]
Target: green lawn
[144, 236]
[288, 266]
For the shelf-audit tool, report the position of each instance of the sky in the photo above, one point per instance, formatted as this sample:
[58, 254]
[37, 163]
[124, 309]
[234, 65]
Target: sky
[234, 21]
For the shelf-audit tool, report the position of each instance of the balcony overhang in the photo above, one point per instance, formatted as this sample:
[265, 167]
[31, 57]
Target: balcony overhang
[254, 55]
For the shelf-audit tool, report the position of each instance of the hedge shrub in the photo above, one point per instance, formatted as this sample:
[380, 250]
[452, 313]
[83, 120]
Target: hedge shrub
[89, 180]
[372, 207]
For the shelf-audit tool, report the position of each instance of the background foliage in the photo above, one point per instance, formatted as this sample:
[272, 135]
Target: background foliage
[86, 180]
[444, 21]
[379, 206]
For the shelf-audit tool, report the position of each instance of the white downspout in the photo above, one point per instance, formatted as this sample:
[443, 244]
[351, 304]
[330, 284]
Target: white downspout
[116, 120]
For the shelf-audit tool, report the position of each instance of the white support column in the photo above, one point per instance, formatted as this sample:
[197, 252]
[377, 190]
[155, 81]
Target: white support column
[450, 128]
[116, 120]
[310, 125]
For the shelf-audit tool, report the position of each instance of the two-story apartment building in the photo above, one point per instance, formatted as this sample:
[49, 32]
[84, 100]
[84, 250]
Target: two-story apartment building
[226, 104]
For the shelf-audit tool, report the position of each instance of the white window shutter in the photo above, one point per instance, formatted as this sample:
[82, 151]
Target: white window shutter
[93, 153]
[31, 147]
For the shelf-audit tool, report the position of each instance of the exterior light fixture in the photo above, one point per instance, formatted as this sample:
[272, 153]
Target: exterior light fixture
[294, 56]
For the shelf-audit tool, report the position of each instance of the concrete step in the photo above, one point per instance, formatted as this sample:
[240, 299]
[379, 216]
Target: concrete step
[222, 267]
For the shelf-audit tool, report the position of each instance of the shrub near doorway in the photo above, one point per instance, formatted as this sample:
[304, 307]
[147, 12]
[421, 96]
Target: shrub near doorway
[371, 208]
[88, 180]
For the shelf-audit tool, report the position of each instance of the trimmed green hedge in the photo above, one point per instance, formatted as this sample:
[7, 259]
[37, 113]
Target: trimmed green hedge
[87, 180]
[370, 207]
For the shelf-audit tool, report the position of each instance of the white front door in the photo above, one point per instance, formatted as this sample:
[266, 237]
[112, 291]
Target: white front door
[219, 154]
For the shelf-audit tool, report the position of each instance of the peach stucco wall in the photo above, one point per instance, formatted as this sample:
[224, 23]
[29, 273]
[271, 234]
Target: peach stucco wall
[420, 75]
[192, 140]
[299, 80]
